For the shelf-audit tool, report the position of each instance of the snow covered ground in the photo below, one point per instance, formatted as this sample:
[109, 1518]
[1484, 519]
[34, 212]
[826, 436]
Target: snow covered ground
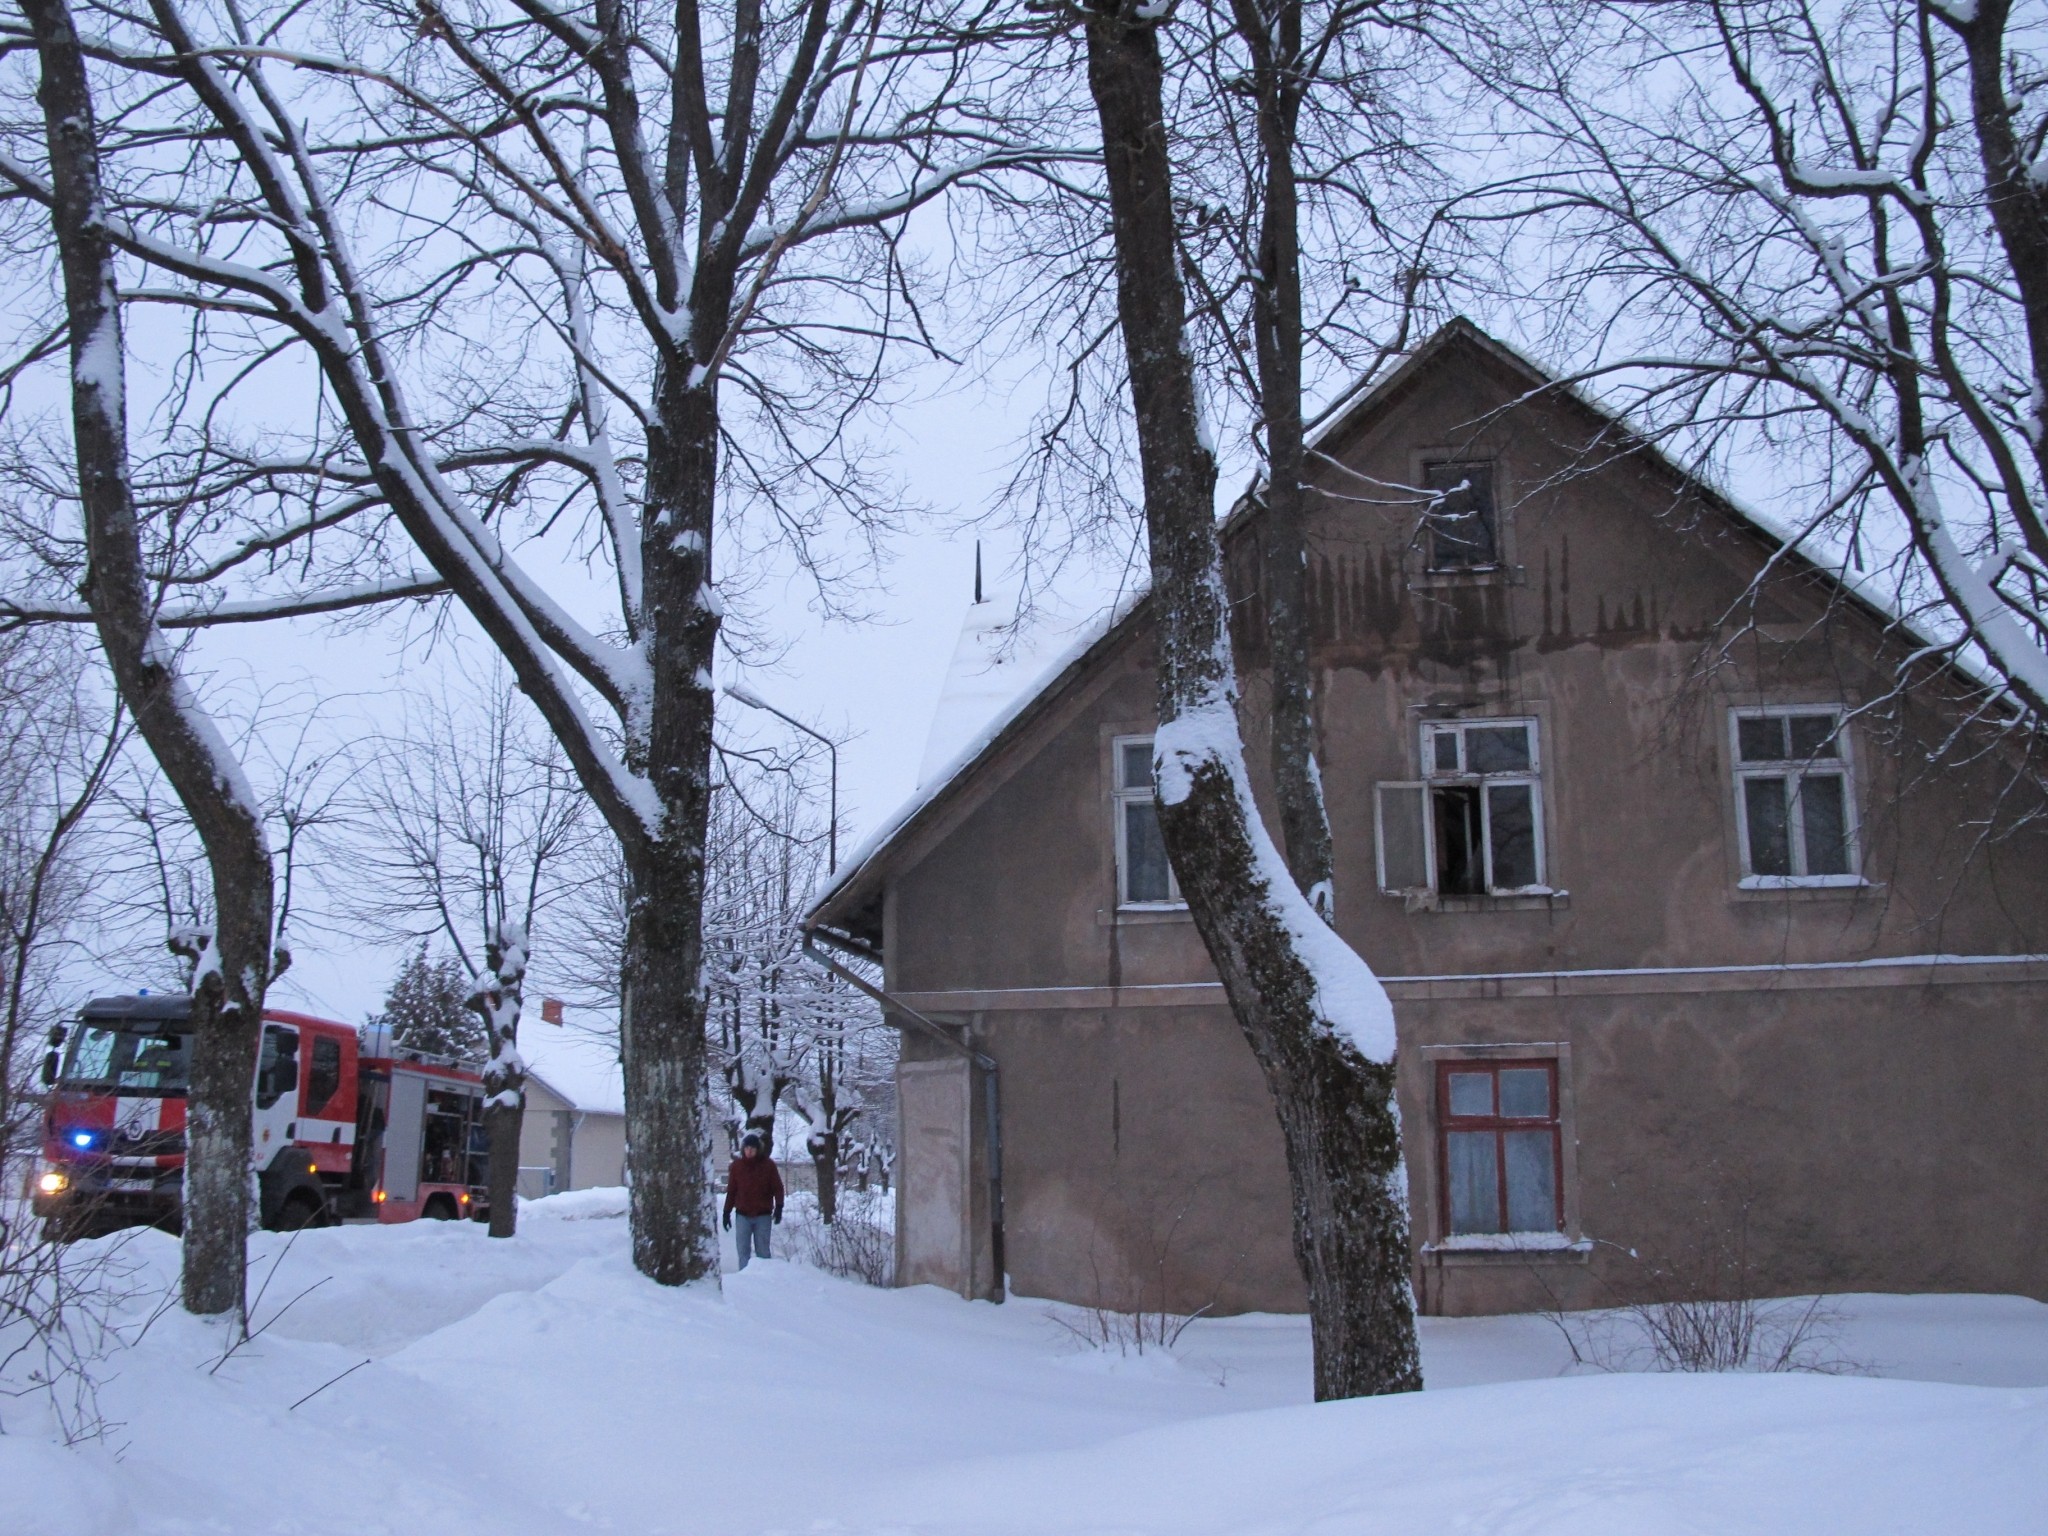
[540, 1386]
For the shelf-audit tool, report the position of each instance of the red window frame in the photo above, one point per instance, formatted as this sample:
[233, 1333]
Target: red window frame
[1498, 1124]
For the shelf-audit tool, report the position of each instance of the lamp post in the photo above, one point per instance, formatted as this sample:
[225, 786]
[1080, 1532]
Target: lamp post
[744, 695]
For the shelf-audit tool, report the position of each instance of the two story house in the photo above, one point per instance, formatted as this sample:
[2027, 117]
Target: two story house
[1713, 928]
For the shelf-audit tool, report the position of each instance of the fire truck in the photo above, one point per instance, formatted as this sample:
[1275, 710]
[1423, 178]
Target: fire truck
[342, 1124]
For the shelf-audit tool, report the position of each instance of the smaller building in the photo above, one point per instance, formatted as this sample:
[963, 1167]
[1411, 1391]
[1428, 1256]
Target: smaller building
[574, 1134]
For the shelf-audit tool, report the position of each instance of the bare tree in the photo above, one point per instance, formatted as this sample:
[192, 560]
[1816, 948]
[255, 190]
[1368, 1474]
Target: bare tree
[58, 747]
[784, 1030]
[1296, 170]
[233, 963]
[475, 830]
[1315, 1016]
[1803, 237]
[657, 208]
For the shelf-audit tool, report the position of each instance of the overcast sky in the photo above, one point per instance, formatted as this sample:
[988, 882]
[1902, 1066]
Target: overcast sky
[870, 685]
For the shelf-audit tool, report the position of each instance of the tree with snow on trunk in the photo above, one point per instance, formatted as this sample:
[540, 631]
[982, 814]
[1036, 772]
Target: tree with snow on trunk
[497, 996]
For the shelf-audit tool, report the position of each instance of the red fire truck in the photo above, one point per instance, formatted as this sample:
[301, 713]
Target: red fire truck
[341, 1124]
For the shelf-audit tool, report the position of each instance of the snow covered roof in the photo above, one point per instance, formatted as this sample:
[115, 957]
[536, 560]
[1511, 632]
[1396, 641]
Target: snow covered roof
[847, 901]
[996, 656]
[999, 715]
[577, 1066]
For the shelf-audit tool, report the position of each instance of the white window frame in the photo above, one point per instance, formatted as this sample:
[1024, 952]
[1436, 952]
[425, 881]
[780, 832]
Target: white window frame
[1380, 837]
[1119, 797]
[1532, 776]
[1841, 766]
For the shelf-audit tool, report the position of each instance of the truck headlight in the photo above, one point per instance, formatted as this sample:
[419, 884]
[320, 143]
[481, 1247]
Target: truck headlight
[53, 1183]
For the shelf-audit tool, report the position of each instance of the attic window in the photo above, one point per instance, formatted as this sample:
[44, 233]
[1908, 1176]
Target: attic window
[1460, 518]
[1144, 878]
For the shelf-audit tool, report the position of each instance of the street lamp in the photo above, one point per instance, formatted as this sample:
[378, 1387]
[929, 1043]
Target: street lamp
[742, 694]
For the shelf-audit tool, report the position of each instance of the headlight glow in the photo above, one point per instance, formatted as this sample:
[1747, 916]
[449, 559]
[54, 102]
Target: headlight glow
[53, 1183]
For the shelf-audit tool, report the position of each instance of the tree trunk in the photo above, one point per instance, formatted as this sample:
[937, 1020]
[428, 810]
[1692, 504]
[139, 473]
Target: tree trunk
[499, 995]
[1283, 972]
[675, 1236]
[1276, 328]
[232, 965]
[2014, 191]
[824, 1152]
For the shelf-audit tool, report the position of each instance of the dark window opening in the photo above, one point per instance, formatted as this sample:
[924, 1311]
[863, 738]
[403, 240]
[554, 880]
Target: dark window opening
[1464, 531]
[1460, 841]
[1474, 825]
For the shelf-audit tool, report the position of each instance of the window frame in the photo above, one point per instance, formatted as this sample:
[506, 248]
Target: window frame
[317, 1074]
[1795, 770]
[277, 1065]
[1498, 1125]
[1532, 776]
[1121, 795]
[1432, 564]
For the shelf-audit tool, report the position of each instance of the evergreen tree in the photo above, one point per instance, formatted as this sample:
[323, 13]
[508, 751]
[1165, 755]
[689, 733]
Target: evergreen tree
[427, 1010]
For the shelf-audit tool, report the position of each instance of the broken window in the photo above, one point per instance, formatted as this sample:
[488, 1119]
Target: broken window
[1461, 520]
[1793, 806]
[1144, 876]
[1499, 1147]
[1474, 825]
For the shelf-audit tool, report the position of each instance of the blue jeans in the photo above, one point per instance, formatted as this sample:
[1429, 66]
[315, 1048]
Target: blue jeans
[751, 1233]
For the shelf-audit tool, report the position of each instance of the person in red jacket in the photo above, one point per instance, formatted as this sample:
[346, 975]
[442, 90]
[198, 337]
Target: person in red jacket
[753, 1192]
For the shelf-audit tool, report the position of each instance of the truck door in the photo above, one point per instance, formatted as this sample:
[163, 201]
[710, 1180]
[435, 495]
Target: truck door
[277, 1094]
[402, 1135]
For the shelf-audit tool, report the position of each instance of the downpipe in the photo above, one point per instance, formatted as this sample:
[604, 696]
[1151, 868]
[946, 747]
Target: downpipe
[897, 1010]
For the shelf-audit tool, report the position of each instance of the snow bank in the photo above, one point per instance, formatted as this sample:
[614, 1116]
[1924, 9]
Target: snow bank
[427, 1378]
[602, 1204]
[1627, 1455]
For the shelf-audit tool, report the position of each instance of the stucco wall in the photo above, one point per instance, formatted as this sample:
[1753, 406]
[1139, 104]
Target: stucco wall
[1875, 1133]
[596, 1145]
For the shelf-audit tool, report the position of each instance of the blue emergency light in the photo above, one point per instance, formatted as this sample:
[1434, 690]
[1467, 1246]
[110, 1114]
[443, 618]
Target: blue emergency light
[81, 1138]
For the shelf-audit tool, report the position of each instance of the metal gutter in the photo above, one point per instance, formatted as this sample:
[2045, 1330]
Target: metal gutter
[896, 1009]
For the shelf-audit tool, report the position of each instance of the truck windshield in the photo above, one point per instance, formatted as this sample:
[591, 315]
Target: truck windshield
[127, 1060]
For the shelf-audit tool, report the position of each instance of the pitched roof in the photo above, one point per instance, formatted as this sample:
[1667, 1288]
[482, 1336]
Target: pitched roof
[579, 1067]
[851, 899]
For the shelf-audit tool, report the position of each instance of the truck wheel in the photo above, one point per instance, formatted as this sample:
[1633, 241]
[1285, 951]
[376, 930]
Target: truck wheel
[301, 1210]
[440, 1208]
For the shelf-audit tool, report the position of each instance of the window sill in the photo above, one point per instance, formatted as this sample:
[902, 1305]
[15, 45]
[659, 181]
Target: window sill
[1798, 882]
[1468, 576]
[1767, 887]
[1127, 917]
[1510, 1248]
[1525, 901]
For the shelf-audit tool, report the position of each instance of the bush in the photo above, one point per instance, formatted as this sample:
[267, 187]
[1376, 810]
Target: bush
[859, 1244]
